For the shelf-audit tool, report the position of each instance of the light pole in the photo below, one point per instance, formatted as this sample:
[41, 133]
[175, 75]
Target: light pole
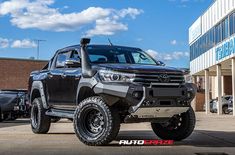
[38, 46]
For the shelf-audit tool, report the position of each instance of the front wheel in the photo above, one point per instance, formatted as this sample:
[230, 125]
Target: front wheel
[177, 128]
[95, 123]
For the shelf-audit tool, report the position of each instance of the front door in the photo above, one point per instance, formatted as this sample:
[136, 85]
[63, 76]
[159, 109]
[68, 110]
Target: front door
[56, 83]
[70, 82]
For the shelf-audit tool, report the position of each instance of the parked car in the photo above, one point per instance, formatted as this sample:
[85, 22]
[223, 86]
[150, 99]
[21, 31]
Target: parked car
[227, 105]
[211, 105]
[13, 104]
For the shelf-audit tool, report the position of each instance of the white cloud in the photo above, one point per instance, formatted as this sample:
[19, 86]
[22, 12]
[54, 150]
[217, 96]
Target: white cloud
[25, 43]
[40, 15]
[173, 42]
[132, 12]
[4, 43]
[106, 27]
[167, 56]
[110, 25]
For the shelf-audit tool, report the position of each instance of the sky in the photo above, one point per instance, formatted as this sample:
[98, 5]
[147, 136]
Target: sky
[159, 27]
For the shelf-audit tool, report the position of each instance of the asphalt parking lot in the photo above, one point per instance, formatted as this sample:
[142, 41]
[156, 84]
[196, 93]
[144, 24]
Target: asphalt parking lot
[213, 135]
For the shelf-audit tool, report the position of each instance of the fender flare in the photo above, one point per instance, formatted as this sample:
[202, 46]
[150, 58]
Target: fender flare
[111, 97]
[85, 82]
[37, 85]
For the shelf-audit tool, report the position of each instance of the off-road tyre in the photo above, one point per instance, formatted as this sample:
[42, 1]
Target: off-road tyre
[178, 128]
[95, 123]
[40, 122]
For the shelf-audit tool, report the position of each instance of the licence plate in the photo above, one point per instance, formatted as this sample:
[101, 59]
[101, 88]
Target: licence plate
[164, 92]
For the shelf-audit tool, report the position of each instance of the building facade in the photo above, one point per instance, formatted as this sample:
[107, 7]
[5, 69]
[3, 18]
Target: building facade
[212, 51]
[14, 73]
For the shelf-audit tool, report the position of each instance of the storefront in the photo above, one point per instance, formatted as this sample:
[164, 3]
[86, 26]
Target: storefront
[212, 52]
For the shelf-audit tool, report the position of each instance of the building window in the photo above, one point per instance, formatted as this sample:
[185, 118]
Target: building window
[215, 35]
[231, 23]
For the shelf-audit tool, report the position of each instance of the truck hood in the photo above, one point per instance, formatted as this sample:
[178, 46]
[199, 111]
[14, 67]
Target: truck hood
[137, 68]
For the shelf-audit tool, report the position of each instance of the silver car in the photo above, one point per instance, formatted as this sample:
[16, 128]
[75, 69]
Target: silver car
[227, 104]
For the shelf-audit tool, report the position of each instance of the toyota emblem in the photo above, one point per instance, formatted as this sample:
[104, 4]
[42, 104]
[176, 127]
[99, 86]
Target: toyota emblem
[164, 78]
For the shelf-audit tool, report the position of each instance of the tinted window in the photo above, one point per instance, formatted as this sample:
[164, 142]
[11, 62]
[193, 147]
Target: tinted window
[121, 58]
[75, 54]
[95, 58]
[141, 58]
[119, 55]
[61, 58]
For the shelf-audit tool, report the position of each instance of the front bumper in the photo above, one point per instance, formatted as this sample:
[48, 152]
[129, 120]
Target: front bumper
[148, 102]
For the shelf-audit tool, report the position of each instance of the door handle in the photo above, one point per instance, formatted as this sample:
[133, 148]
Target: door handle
[49, 75]
[63, 75]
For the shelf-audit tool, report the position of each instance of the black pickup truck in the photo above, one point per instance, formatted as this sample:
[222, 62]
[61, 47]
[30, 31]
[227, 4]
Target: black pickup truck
[102, 86]
[13, 104]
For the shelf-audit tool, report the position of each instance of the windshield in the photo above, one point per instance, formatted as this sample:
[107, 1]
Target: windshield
[116, 55]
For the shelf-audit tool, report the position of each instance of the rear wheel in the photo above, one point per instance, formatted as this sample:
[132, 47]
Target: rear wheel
[177, 128]
[40, 122]
[95, 123]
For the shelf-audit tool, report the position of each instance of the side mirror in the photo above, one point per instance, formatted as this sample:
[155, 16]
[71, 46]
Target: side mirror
[73, 62]
[160, 63]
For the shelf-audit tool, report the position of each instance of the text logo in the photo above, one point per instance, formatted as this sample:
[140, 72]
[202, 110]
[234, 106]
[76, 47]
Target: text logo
[146, 142]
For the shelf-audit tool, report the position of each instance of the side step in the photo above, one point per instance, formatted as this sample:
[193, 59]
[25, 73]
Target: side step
[60, 113]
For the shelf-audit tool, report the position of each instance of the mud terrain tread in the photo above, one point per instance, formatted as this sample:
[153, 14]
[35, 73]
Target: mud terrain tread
[177, 135]
[113, 122]
[44, 121]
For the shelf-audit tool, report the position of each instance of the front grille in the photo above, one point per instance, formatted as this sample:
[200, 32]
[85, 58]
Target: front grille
[155, 79]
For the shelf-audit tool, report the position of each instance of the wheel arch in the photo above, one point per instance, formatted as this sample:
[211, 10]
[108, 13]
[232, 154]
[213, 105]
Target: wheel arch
[83, 93]
[38, 91]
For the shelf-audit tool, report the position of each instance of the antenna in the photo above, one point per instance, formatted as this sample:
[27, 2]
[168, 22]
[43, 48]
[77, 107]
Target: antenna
[38, 44]
[111, 44]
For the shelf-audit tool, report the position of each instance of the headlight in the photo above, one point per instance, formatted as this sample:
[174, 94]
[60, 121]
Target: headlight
[113, 76]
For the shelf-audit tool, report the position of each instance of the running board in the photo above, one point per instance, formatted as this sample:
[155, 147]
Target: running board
[60, 113]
